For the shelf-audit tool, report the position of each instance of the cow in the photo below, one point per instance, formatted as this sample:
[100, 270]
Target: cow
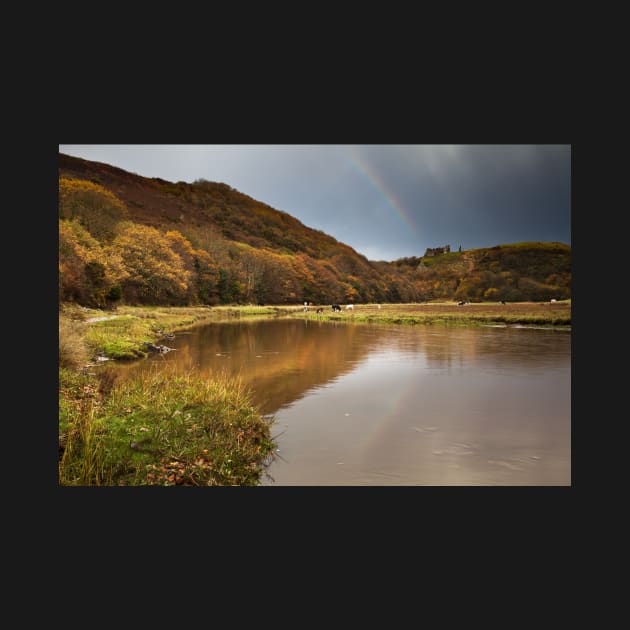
[461, 303]
[336, 307]
[349, 307]
[319, 310]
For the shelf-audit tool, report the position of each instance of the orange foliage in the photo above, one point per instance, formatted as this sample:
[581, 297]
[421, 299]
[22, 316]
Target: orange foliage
[87, 271]
[157, 274]
[181, 245]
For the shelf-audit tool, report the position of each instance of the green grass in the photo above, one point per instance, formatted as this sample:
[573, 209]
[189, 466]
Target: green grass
[163, 429]
[551, 246]
[78, 402]
[123, 333]
[432, 261]
[246, 310]
[120, 338]
[76, 391]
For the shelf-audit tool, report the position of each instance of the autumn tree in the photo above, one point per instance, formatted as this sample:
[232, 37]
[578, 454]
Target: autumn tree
[252, 265]
[97, 209]
[206, 278]
[88, 273]
[274, 285]
[182, 247]
[157, 274]
[228, 286]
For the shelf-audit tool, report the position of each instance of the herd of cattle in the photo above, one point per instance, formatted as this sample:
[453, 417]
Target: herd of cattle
[350, 307]
[335, 308]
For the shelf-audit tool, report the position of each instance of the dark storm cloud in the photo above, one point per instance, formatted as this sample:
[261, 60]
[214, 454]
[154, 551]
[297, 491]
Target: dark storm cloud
[481, 195]
[386, 201]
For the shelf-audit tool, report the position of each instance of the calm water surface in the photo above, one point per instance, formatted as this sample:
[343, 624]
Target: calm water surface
[397, 405]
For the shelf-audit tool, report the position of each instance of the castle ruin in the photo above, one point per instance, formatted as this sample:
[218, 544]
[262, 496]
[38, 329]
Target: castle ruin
[436, 251]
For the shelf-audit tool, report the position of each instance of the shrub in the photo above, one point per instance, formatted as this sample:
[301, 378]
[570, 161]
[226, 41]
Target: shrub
[115, 293]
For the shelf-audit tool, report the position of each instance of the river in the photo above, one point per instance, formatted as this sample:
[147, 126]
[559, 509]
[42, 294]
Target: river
[396, 405]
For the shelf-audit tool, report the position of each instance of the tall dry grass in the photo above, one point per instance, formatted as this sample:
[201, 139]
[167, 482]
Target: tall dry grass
[73, 352]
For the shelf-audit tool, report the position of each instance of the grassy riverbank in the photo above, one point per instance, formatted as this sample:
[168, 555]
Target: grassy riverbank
[526, 313]
[162, 429]
[121, 334]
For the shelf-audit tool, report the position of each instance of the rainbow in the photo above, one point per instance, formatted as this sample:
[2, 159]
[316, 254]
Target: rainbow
[358, 164]
[374, 435]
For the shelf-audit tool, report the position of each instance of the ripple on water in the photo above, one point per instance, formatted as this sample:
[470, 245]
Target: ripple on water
[500, 462]
[455, 448]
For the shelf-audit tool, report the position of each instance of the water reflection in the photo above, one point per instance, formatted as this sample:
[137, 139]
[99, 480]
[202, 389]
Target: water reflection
[394, 405]
[279, 360]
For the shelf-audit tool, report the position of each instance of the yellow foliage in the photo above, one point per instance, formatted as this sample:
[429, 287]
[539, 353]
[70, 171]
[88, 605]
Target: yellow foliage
[349, 292]
[69, 187]
[156, 271]
[96, 208]
[78, 254]
[182, 246]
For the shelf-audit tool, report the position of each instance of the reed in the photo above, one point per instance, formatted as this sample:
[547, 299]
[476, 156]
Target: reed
[73, 351]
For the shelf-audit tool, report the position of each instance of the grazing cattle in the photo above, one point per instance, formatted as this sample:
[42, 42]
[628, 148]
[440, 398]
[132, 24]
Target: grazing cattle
[319, 310]
[336, 307]
[501, 301]
[553, 300]
[349, 307]
[461, 303]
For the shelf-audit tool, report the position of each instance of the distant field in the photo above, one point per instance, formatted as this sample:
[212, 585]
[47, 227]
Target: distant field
[554, 313]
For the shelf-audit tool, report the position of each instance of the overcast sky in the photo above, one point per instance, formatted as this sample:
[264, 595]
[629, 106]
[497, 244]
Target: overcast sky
[386, 201]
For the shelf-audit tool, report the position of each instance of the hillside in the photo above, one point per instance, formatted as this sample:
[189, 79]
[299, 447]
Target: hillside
[146, 240]
[515, 272]
[185, 207]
